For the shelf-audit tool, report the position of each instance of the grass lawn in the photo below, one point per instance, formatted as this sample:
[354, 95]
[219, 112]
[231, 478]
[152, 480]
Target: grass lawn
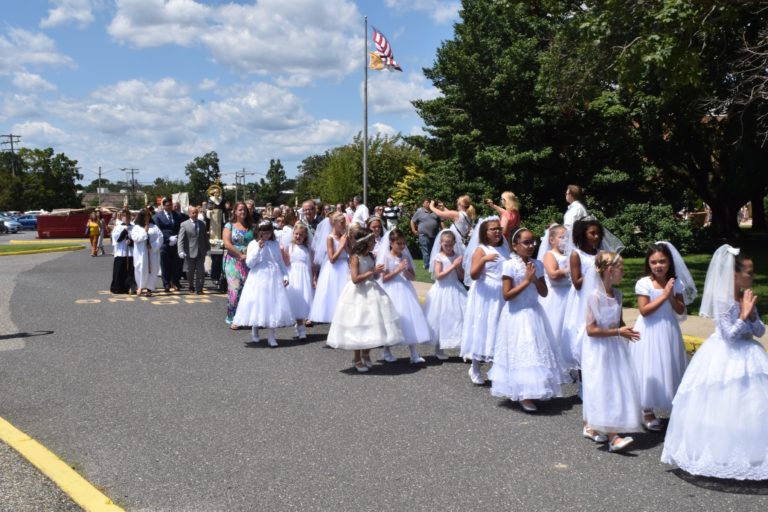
[33, 247]
[756, 247]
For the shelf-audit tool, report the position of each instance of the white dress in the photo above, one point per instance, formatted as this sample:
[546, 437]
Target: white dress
[719, 421]
[264, 300]
[610, 392]
[484, 303]
[366, 317]
[574, 328]
[300, 291]
[445, 306]
[406, 301]
[659, 355]
[330, 282]
[526, 361]
[554, 303]
[146, 255]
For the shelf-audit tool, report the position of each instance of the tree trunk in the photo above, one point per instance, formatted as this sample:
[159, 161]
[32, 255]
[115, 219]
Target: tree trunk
[758, 212]
[725, 222]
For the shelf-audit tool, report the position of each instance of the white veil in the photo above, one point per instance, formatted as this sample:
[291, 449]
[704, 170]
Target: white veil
[719, 284]
[458, 249]
[318, 245]
[381, 257]
[682, 274]
[474, 241]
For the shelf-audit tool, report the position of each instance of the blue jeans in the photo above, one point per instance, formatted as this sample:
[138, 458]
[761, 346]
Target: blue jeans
[425, 244]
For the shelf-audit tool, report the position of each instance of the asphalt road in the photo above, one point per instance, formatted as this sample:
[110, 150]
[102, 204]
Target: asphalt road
[162, 407]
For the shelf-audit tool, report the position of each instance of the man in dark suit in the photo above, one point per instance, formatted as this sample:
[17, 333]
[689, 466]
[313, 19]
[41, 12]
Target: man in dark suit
[192, 247]
[169, 222]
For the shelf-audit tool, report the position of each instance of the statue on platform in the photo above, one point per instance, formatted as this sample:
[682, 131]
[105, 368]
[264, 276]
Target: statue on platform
[215, 212]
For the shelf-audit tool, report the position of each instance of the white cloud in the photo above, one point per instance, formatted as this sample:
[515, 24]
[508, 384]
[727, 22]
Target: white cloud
[208, 84]
[78, 11]
[382, 129]
[297, 40]
[39, 133]
[21, 48]
[439, 10]
[31, 82]
[392, 92]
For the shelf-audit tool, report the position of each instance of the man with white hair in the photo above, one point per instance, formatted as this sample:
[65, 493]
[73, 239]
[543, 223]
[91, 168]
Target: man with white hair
[193, 246]
[361, 212]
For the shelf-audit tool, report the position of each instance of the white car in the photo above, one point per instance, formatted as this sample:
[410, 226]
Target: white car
[11, 225]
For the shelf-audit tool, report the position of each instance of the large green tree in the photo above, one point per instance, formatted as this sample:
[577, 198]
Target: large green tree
[43, 180]
[271, 187]
[203, 172]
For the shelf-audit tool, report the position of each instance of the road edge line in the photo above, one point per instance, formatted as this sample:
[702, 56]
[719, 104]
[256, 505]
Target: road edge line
[42, 251]
[80, 490]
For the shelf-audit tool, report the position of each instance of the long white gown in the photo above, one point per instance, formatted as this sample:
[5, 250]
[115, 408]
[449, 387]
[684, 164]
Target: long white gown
[264, 300]
[331, 281]
[574, 328]
[555, 302]
[719, 422]
[365, 317]
[484, 303]
[406, 301]
[300, 291]
[146, 255]
[526, 361]
[659, 355]
[445, 306]
[610, 390]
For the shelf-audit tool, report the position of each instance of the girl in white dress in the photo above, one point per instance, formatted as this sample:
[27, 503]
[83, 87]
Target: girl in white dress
[447, 299]
[334, 271]
[484, 301]
[264, 301]
[557, 276]
[587, 236]
[147, 240]
[396, 282]
[526, 362]
[659, 357]
[298, 257]
[611, 395]
[375, 225]
[365, 317]
[718, 425]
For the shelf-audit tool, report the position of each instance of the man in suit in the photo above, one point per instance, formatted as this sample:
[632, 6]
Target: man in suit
[169, 222]
[193, 246]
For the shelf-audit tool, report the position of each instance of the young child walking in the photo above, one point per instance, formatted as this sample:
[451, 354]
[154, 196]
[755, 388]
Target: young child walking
[484, 301]
[557, 277]
[334, 271]
[526, 360]
[396, 282]
[659, 357]
[298, 257]
[587, 236]
[446, 300]
[365, 317]
[611, 397]
[718, 425]
[264, 301]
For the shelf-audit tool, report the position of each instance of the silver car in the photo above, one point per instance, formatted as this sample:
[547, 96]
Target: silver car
[11, 225]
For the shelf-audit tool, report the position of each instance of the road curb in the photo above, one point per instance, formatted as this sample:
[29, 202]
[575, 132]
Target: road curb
[42, 251]
[67, 479]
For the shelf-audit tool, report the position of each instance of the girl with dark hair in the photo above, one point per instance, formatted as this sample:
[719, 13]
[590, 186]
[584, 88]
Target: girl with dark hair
[147, 240]
[264, 301]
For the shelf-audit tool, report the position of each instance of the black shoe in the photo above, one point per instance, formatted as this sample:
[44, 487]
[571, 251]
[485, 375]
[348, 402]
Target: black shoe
[167, 288]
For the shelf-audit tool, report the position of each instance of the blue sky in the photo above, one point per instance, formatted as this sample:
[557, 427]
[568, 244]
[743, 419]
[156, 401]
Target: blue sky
[151, 84]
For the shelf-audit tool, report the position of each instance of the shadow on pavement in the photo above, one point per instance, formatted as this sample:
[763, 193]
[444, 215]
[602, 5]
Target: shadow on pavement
[753, 487]
[24, 335]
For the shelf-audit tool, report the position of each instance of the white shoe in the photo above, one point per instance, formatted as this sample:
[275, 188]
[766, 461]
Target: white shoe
[441, 355]
[528, 406]
[617, 443]
[301, 331]
[594, 436]
[255, 335]
[388, 357]
[271, 341]
[417, 359]
[475, 377]
[361, 367]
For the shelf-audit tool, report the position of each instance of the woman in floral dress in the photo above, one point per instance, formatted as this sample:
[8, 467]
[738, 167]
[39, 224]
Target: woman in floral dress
[238, 233]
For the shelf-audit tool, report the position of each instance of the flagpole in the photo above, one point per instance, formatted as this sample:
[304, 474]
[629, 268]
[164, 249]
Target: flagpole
[365, 115]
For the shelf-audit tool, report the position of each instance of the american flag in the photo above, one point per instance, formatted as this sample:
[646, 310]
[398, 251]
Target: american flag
[384, 51]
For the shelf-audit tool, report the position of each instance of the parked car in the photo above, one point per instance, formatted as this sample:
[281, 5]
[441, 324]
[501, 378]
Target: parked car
[11, 225]
[27, 221]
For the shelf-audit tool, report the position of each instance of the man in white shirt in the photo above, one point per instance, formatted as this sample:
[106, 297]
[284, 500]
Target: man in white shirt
[576, 210]
[361, 212]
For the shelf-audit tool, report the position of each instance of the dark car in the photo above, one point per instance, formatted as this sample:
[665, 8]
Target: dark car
[27, 221]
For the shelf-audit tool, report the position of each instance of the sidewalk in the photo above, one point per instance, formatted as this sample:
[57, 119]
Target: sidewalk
[695, 326]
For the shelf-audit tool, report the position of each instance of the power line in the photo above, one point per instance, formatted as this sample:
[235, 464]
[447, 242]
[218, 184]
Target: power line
[133, 172]
[10, 140]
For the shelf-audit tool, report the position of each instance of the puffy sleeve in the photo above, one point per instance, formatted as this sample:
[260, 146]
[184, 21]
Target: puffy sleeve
[643, 287]
[508, 269]
[253, 254]
[139, 234]
[155, 238]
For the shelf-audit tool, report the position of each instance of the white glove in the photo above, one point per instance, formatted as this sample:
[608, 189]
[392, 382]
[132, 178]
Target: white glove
[172, 240]
[182, 255]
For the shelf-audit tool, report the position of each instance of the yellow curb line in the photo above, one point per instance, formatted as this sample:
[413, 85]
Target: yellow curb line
[67, 479]
[50, 241]
[41, 251]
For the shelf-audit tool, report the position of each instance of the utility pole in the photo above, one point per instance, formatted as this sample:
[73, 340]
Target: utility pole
[10, 140]
[98, 190]
[133, 171]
